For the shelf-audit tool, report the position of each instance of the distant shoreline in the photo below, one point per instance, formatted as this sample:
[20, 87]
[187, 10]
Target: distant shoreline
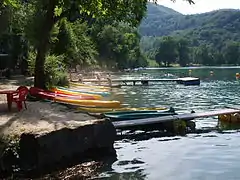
[195, 67]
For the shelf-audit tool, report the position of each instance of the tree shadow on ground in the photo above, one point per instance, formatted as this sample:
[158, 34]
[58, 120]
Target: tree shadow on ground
[6, 117]
[17, 81]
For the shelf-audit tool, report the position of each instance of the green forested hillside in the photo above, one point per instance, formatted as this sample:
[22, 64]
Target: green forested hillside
[216, 32]
[161, 21]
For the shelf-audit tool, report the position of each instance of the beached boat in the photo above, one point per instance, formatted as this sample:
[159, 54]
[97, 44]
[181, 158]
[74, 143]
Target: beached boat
[45, 94]
[107, 87]
[63, 91]
[89, 103]
[89, 86]
[130, 115]
[85, 91]
[104, 110]
[86, 88]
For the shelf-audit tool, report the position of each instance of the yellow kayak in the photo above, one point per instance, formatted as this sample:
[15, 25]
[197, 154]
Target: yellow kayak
[89, 86]
[89, 103]
[83, 88]
[64, 91]
[103, 110]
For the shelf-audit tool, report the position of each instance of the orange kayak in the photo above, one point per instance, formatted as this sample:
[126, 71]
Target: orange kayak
[45, 94]
[62, 91]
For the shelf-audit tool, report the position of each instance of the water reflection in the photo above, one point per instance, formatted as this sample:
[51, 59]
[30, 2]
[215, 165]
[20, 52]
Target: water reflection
[131, 169]
[210, 153]
[136, 175]
[225, 126]
[190, 157]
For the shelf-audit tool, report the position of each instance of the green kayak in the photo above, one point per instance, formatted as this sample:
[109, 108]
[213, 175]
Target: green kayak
[129, 115]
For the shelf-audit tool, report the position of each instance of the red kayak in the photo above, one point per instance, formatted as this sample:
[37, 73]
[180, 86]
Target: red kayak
[45, 94]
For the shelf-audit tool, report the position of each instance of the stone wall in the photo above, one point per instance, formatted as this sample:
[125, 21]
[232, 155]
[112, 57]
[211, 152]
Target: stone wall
[56, 147]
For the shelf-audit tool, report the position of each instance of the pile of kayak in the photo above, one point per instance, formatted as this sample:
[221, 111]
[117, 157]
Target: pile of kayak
[89, 98]
[86, 96]
[105, 110]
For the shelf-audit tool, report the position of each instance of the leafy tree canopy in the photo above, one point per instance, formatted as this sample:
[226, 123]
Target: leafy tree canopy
[44, 21]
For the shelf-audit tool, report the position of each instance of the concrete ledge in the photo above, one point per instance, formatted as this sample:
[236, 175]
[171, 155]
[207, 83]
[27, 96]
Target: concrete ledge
[49, 135]
[37, 150]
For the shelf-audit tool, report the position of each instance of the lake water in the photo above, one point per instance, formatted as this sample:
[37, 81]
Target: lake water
[192, 157]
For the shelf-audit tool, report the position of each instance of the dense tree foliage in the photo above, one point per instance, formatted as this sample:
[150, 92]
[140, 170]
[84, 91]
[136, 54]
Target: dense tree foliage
[48, 28]
[44, 22]
[73, 42]
[166, 52]
[12, 42]
[67, 29]
[44, 27]
[168, 49]
[118, 46]
[210, 39]
[183, 51]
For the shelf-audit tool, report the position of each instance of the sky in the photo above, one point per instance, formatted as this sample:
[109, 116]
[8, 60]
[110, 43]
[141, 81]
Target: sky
[200, 6]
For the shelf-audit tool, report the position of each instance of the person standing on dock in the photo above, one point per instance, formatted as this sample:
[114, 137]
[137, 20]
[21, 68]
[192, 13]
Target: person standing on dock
[98, 76]
[80, 78]
[109, 80]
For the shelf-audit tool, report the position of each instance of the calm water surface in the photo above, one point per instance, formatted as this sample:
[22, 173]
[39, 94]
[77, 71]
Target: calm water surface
[195, 156]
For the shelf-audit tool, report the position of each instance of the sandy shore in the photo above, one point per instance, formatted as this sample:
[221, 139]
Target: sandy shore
[39, 116]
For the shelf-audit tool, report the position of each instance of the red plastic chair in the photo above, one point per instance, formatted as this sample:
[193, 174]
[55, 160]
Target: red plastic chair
[20, 97]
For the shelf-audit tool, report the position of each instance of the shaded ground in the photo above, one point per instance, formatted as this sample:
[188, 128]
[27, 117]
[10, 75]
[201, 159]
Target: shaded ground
[43, 117]
[16, 81]
[6, 118]
[39, 116]
[81, 171]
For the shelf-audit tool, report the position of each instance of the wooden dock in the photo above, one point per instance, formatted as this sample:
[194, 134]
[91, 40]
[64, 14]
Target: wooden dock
[187, 117]
[145, 81]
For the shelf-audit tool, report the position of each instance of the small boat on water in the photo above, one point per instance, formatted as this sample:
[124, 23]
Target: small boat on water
[89, 103]
[105, 110]
[130, 115]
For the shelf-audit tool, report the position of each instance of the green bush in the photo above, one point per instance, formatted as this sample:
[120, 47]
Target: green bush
[31, 62]
[60, 78]
[55, 69]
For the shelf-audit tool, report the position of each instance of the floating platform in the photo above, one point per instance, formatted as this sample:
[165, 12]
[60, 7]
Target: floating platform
[187, 117]
[187, 81]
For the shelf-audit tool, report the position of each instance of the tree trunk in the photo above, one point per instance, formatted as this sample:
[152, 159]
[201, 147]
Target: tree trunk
[44, 40]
